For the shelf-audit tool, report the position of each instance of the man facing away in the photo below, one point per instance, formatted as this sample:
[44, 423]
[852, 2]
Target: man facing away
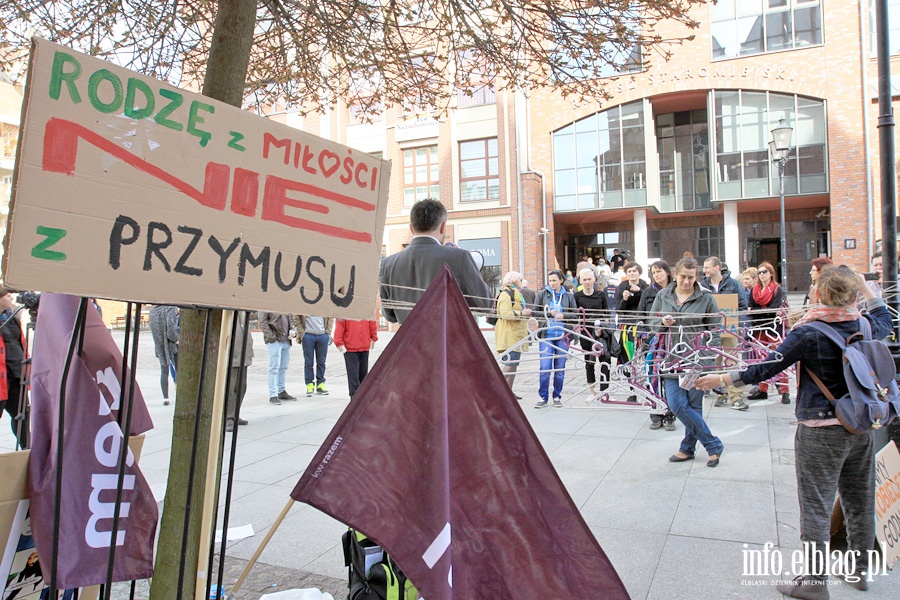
[718, 280]
[277, 334]
[406, 274]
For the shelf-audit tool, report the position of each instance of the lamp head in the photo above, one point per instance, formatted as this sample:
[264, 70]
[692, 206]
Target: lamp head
[781, 136]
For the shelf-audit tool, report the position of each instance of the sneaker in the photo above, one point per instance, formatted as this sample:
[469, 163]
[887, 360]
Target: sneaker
[557, 403]
[805, 587]
[721, 401]
[229, 425]
[739, 405]
[320, 389]
[758, 395]
[310, 389]
[670, 425]
[243, 422]
[541, 404]
[274, 400]
[785, 398]
[283, 395]
[654, 425]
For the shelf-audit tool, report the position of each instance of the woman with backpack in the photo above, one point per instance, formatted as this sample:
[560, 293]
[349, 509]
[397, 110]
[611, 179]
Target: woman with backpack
[512, 326]
[554, 304]
[766, 300]
[828, 458]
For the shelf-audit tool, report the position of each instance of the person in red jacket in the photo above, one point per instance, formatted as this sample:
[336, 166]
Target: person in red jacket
[354, 339]
[12, 356]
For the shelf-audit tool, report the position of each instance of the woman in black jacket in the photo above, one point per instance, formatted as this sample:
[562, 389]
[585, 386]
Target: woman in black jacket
[828, 458]
[661, 274]
[594, 341]
[765, 302]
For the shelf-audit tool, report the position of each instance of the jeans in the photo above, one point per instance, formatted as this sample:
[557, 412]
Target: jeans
[553, 358]
[315, 345]
[357, 369]
[279, 357]
[688, 408]
[831, 460]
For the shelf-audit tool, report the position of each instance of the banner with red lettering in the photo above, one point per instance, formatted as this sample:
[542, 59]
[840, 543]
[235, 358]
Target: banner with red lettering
[435, 461]
[133, 189]
[91, 447]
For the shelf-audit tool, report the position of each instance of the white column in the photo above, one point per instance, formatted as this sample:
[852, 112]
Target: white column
[732, 240]
[641, 253]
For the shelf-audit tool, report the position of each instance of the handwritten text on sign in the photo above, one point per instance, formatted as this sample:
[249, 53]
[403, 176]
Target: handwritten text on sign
[128, 188]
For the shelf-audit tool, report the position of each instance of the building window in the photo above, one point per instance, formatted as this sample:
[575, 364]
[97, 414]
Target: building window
[479, 170]
[600, 162]
[710, 242]
[9, 137]
[745, 27]
[614, 56]
[893, 23]
[474, 80]
[420, 174]
[682, 141]
[743, 123]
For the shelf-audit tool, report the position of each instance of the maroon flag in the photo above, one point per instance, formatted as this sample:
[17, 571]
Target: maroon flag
[435, 461]
[91, 447]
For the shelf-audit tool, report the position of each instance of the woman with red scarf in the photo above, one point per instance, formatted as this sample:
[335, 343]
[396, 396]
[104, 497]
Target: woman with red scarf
[765, 303]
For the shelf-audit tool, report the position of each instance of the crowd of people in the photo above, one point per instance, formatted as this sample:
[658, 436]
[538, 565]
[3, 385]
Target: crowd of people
[663, 338]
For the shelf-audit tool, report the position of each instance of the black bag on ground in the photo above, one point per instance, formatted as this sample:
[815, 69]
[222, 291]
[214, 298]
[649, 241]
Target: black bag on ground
[385, 580]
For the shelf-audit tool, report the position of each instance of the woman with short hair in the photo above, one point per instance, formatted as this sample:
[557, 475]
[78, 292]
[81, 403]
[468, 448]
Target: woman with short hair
[828, 458]
[512, 326]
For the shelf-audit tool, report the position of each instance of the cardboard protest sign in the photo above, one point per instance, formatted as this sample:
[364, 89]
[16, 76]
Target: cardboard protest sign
[132, 189]
[728, 305]
[887, 502]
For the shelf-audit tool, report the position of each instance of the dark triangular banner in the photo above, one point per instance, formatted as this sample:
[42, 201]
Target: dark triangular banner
[435, 461]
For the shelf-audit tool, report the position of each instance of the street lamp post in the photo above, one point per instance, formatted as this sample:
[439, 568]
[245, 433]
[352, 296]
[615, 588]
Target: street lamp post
[780, 148]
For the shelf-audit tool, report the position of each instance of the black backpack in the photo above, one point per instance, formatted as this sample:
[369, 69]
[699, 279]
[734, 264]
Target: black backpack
[493, 317]
[385, 580]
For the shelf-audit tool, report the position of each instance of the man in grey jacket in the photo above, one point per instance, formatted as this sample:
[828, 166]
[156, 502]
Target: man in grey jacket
[405, 275]
[277, 334]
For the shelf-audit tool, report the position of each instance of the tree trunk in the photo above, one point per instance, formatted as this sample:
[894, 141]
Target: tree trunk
[224, 80]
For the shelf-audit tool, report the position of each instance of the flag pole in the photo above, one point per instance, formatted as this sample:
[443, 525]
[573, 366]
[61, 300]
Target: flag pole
[210, 495]
[262, 546]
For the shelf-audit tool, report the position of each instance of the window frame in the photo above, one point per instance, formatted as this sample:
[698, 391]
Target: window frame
[488, 177]
[431, 185]
[762, 20]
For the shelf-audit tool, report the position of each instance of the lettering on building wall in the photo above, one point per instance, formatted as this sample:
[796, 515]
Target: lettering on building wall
[721, 72]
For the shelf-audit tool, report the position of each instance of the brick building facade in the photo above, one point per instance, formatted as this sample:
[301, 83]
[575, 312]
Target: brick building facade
[676, 160]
